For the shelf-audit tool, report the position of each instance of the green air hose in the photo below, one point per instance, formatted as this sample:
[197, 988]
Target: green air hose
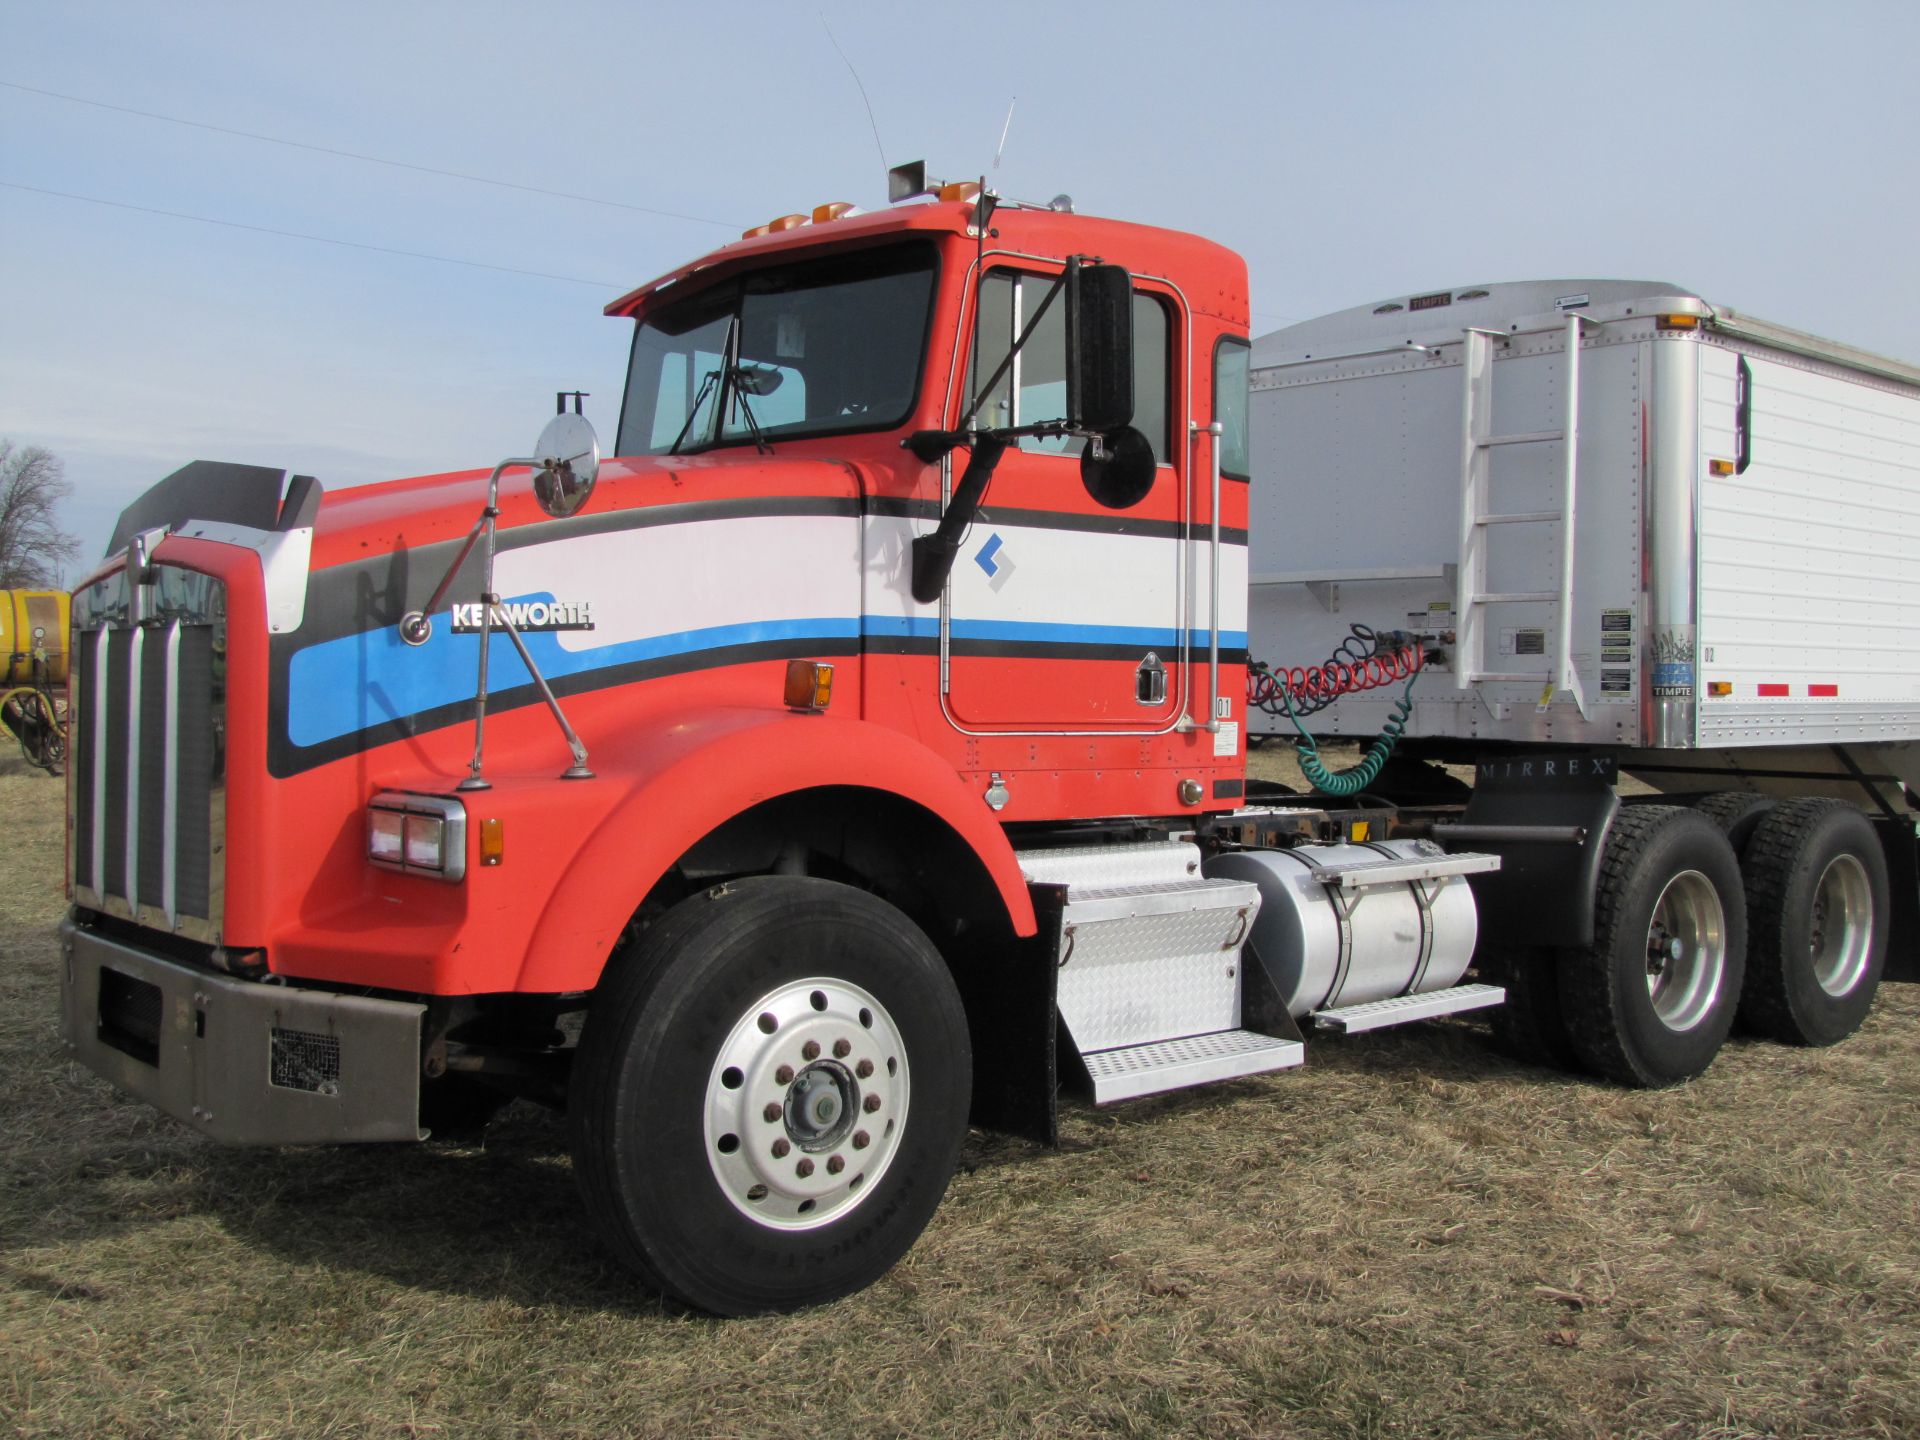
[1356, 779]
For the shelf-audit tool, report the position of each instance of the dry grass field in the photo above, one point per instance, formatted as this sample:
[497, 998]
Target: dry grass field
[1409, 1237]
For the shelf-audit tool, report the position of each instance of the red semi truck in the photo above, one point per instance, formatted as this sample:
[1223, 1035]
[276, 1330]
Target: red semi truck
[859, 753]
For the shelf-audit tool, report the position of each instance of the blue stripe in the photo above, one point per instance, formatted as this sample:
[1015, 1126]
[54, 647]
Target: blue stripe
[340, 687]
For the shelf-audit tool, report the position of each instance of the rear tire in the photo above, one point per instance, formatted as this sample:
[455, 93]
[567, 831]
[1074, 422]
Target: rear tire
[1651, 1001]
[770, 1095]
[1818, 915]
[1737, 812]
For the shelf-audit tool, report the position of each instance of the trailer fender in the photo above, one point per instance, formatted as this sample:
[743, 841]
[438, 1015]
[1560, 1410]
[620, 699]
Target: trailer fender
[692, 777]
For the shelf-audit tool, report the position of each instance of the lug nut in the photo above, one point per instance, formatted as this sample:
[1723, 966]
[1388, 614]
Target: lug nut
[803, 1169]
[784, 1075]
[810, 1050]
[871, 1103]
[842, 1049]
[835, 1164]
[780, 1149]
[863, 1069]
[861, 1139]
[772, 1113]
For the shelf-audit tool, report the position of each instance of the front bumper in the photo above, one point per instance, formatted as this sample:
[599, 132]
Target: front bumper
[240, 1061]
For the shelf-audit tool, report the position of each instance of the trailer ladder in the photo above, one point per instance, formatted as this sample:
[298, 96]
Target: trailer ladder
[1471, 596]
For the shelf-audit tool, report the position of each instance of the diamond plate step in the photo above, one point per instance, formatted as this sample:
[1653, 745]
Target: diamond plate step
[1404, 1008]
[1134, 1070]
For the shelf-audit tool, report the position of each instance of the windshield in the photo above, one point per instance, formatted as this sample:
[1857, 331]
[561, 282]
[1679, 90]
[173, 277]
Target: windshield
[818, 348]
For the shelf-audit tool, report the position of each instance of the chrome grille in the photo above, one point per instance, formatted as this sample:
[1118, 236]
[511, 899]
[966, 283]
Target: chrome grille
[148, 750]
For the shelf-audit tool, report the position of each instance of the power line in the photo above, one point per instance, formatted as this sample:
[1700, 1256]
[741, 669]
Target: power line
[372, 159]
[301, 235]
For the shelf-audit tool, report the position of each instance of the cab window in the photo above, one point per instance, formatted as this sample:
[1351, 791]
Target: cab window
[1035, 389]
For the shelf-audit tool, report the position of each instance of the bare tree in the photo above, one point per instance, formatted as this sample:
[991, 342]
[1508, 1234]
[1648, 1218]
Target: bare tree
[34, 550]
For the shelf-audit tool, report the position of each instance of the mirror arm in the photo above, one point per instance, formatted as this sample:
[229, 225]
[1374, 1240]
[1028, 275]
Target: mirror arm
[933, 554]
[417, 625]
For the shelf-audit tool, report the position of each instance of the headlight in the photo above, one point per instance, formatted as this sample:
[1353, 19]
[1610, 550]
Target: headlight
[418, 834]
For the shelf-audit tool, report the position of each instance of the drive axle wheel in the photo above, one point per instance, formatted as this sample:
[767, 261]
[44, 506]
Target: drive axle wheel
[1651, 1001]
[770, 1095]
[1817, 889]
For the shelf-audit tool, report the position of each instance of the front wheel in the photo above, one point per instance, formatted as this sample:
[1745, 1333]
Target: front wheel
[1650, 1002]
[770, 1095]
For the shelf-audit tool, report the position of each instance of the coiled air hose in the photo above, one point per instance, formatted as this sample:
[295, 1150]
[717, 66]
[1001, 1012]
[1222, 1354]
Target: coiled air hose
[1354, 779]
[1361, 663]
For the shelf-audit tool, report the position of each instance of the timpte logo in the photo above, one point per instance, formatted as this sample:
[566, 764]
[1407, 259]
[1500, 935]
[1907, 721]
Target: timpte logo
[527, 616]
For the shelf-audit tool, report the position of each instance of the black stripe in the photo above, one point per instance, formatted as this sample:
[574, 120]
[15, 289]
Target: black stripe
[1069, 520]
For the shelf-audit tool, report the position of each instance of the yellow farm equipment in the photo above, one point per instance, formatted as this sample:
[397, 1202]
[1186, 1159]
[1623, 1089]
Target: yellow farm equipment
[33, 649]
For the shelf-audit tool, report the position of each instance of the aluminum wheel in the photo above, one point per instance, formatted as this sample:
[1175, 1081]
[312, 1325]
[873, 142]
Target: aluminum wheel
[806, 1104]
[1686, 950]
[1842, 934]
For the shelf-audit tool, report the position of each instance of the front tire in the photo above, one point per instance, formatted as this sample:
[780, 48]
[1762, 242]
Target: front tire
[1651, 1001]
[1817, 892]
[770, 1095]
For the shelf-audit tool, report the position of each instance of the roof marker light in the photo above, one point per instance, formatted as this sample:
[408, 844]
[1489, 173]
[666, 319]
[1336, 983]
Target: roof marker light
[787, 222]
[833, 211]
[961, 190]
[1679, 322]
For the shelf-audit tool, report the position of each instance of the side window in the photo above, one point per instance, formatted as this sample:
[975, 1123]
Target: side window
[1036, 387]
[1230, 375]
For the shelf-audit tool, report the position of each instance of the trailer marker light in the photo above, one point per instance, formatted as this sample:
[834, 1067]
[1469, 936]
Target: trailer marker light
[493, 841]
[1360, 831]
[1679, 322]
[809, 686]
[1720, 467]
[1719, 687]
[1824, 692]
[1773, 691]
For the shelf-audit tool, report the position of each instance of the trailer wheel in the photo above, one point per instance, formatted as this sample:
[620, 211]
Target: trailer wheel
[770, 1094]
[1817, 917]
[1737, 812]
[1651, 1001]
[1528, 1025]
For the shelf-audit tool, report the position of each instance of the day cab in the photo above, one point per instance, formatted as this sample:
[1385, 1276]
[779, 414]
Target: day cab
[684, 788]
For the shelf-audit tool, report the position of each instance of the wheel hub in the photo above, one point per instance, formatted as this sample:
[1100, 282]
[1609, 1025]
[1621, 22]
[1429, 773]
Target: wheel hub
[1686, 950]
[806, 1103]
[1841, 938]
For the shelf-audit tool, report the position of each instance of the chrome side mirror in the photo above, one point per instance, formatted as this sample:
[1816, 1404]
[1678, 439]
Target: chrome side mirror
[566, 463]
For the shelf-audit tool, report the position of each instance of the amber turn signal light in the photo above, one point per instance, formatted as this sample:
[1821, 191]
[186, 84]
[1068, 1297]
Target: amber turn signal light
[809, 685]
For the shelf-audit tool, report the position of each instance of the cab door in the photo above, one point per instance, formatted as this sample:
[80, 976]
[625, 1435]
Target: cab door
[1064, 615]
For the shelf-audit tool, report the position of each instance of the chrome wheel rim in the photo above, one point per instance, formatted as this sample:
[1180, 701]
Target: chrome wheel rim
[806, 1104]
[1842, 931]
[1686, 951]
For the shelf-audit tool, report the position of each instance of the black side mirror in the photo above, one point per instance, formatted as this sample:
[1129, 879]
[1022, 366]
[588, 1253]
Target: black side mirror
[1120, 475]
[1099, 348]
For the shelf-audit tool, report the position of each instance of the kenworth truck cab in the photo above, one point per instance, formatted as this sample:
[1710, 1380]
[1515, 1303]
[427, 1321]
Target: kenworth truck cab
[857, 753]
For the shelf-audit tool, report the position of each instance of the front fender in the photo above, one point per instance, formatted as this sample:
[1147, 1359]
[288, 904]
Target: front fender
[709, 767]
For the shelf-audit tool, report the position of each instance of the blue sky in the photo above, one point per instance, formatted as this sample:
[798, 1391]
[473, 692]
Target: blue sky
[1759, 153]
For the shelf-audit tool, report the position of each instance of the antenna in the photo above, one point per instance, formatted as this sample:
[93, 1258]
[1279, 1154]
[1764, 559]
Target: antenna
[862, 89]
[1003, 132]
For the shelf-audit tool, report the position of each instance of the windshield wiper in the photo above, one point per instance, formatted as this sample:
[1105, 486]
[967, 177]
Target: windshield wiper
[706, 384]
[740, 382]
